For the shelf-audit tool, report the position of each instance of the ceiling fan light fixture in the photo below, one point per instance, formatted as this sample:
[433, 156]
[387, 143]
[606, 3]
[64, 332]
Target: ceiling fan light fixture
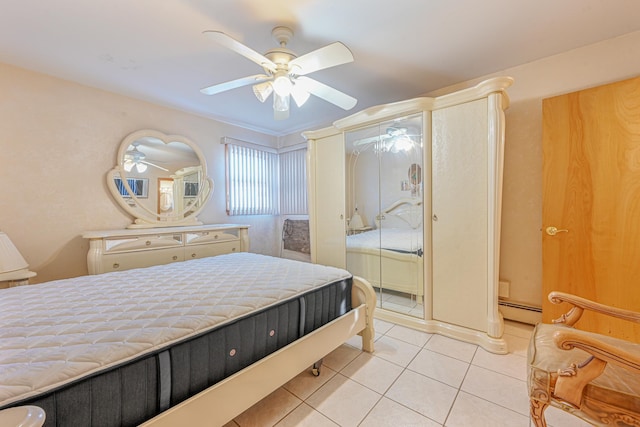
[128, 165]
[282, 84]
[262, 91]
[281, 103]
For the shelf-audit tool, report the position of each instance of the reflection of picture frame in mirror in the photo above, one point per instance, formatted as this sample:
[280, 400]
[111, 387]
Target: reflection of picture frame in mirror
[191, 189]
[139, 186]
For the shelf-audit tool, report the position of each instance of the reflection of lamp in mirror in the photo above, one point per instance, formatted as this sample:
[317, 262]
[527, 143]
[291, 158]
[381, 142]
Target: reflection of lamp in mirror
[13, 267]
[356, 220]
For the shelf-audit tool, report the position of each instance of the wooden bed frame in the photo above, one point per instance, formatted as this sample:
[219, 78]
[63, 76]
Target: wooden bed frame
[401, 272]
[227, 399]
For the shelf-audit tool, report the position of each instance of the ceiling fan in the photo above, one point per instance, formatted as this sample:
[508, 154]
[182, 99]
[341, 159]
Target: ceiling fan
[285, 72]
[135, 157]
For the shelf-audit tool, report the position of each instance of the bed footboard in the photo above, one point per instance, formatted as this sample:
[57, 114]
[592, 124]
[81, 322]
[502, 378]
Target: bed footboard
[222, 402]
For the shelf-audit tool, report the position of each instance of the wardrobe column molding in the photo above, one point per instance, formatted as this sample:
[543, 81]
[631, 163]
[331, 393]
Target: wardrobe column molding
[497, 103]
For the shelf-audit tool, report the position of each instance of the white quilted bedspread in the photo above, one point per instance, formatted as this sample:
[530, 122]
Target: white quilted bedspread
[55, 332]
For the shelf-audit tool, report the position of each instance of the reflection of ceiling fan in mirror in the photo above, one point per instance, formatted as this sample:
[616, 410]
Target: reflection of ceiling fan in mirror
[135, 157]
[285, 72]
[394, 139]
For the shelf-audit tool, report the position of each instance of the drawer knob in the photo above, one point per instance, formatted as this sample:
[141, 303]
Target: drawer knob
[215, 236]
[116, 265]
[175, 257]
[193, 255]
[233, 249]
[148, 243]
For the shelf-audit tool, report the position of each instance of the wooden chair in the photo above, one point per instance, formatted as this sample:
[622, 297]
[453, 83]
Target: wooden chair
[592, 376]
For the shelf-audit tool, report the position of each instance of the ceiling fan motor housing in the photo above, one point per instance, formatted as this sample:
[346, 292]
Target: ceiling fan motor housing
[281, 56]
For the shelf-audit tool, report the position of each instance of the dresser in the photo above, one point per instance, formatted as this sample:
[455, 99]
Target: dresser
[115, 250]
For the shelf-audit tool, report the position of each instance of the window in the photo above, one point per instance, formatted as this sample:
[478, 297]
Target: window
[293, 182]
[259, 181]
[251, 179]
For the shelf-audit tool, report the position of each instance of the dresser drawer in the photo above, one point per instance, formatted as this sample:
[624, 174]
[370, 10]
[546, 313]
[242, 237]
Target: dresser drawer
[128, 260]
[212, 249]
[136, 243]
[209, 237]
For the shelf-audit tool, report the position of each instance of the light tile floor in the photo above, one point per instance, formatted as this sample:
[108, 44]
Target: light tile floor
[412, 379]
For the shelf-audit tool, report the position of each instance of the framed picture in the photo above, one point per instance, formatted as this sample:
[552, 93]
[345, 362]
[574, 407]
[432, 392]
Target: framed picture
[139, 186]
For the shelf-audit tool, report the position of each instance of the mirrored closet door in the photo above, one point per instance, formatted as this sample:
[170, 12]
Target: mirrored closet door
[408, 195]
[385, 209]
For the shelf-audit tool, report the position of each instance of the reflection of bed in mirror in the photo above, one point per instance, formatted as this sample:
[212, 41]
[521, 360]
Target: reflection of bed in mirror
[391, 255]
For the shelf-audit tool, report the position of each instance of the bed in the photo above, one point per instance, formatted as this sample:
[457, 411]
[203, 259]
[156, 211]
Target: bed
[391, 255]
[188, 343]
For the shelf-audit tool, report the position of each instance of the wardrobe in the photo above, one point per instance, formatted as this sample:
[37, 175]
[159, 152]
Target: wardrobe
[408, 196]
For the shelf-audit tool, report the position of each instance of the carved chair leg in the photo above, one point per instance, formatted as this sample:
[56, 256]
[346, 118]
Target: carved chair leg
[536, 409]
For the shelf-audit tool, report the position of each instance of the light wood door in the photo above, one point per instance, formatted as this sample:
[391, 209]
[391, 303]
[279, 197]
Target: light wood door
[591, 187]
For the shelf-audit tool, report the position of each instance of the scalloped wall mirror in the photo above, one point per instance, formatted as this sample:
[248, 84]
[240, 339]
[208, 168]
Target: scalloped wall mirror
[161, 180]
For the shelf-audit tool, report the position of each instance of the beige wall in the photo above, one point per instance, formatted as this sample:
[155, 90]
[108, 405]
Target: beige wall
[593, 65]
[57, 141]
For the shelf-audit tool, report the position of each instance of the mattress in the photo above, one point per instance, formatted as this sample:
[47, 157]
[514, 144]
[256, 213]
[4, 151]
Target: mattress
[392, 239]
[128, 345]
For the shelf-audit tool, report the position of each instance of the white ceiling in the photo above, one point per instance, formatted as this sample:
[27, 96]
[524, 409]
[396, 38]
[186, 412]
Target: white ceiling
[154, 50]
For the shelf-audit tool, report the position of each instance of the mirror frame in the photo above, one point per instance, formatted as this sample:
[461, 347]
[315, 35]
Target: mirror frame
[143, 216]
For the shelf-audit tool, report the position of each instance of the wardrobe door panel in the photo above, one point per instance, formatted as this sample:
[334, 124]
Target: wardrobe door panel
[327, 178]
[460, 214]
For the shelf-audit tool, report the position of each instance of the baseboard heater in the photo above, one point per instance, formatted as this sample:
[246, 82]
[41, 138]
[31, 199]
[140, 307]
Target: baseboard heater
[520, 312]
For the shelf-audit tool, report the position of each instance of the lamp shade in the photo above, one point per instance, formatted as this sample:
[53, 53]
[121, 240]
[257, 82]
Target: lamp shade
[10, 258]
[13, 267]
[356, 221]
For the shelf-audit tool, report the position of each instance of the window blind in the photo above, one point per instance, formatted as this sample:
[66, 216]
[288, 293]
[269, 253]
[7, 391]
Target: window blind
[293, 182]
[252, 181]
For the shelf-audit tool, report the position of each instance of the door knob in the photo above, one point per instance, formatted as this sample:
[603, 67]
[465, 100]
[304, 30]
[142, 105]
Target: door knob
[552, 231]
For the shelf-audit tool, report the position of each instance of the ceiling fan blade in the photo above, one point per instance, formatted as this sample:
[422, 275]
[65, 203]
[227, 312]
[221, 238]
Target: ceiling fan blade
[327, 93]
[325, 57]
[233, 84]
[231, 43]
[299, 94]
[154, 165]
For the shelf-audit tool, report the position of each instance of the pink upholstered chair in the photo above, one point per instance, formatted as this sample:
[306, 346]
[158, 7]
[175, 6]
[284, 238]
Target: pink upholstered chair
[593, 376]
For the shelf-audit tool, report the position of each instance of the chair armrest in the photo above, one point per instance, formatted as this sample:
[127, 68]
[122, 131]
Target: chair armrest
[568, 339]
[580, 304]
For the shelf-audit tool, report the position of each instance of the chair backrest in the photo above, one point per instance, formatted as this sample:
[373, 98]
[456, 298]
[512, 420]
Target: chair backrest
[295, 235]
